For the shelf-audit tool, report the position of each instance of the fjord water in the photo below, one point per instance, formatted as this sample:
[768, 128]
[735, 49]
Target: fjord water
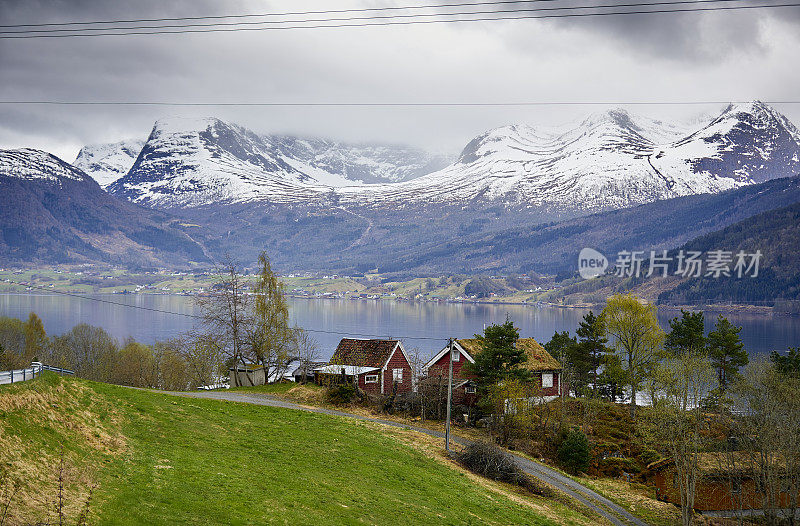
[414, 323]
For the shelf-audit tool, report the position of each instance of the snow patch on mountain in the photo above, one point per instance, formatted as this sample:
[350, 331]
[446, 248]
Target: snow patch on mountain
[106, 163]
[30, 164]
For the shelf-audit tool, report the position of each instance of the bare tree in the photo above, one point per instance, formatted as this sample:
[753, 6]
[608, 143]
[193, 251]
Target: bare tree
[204, 356]
[766, 426]
[307, 350]
[676, 423]
[225, 313]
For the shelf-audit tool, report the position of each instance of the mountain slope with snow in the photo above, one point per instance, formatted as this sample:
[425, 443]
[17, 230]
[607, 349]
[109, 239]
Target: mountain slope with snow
[195, 162]
[106, 163]
[52, 212]
[610, 160]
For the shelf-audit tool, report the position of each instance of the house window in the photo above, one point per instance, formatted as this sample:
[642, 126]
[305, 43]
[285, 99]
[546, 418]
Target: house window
[547, 379]
[469, 390]
[397, 375]
[371, 379]
[736, 486]
[456, 355]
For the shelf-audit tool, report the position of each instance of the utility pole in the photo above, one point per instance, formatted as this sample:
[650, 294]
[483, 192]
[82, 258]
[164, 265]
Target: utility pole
[449, 396]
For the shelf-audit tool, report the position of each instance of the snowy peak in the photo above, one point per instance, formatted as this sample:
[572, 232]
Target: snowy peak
[747, 143]
[611, 159]
[193, 162]
[36, 165]
[108, 162]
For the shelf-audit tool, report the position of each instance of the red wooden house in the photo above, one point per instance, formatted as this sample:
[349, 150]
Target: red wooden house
[379, 366]
[545, 369]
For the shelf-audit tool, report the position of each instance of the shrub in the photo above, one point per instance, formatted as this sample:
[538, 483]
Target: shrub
[342, 393]
[573, 453]
[490, 461]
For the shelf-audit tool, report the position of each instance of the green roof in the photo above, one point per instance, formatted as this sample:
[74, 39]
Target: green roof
[538, 358]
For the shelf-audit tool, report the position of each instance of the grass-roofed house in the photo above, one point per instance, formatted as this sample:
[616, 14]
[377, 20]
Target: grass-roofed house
[545, 369]
[378, 366]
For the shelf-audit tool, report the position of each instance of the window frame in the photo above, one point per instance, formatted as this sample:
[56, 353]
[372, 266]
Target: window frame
[552, 378]
[370, 378]
[456, 355]
[395, 375]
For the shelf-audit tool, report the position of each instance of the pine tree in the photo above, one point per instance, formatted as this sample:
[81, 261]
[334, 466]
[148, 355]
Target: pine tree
[592, 345]
[726, 351]
[559, 345]
[499, 358]
[687, 334]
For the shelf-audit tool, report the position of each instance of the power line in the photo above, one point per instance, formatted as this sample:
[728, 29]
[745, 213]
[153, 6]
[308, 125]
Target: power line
[401, 22]
[386, 104]
[290, 13]
[195, 316]
[378, 17]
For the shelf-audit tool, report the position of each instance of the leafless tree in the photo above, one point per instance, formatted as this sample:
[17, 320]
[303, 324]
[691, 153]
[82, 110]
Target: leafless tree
[676, 424]
[307, 350]
[766, 427]
[225, 313]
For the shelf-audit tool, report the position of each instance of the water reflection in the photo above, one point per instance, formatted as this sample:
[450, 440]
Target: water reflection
[404, 320]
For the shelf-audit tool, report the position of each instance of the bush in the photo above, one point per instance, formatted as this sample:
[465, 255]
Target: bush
[573, 453]
[342, 393]
[490, 461]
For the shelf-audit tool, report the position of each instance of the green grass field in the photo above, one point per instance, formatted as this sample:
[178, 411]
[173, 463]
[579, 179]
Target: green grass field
[160, 459]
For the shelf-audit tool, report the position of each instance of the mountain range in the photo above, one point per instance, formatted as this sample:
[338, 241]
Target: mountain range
[517, 199]
[607, 161]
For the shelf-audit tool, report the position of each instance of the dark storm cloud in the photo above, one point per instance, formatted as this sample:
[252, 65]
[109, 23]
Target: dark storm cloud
[699, 36]
[691, 56]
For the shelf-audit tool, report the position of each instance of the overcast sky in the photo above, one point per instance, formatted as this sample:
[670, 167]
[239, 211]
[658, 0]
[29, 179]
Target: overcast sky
[720, 56]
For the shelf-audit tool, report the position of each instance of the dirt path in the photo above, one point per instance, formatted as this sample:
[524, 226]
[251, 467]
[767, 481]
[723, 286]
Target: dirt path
[616, 514]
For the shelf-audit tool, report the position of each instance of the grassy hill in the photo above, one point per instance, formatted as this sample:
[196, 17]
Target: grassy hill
[145, 457]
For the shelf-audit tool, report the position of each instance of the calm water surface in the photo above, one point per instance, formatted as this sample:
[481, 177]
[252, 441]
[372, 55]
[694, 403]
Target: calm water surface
[407, 321]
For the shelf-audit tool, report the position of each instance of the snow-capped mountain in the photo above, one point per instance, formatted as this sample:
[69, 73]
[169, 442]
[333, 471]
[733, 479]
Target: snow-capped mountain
[108, 162]
[27, 164]
[610, 160]
[51, 211]
[192, 162]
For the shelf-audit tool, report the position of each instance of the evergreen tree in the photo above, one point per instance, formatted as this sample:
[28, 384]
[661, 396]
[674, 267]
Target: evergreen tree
[789, 364]
[499, 358]
[574, 452]
[726, 350]
[592, 346]
[612, 378]
[686, 335]
[559, 345]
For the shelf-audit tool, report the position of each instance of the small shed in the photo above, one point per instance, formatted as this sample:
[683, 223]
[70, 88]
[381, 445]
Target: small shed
[247, 374]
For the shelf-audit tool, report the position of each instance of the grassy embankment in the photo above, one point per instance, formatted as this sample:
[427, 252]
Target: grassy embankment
[156, 459]
[611, 431]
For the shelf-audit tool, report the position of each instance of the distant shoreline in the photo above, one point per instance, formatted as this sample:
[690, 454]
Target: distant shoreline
[713, 308]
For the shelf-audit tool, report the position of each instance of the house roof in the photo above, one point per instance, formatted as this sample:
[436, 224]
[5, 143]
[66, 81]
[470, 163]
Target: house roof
[363, 353]
[464, 352]
[349, 370]
[538, 358]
